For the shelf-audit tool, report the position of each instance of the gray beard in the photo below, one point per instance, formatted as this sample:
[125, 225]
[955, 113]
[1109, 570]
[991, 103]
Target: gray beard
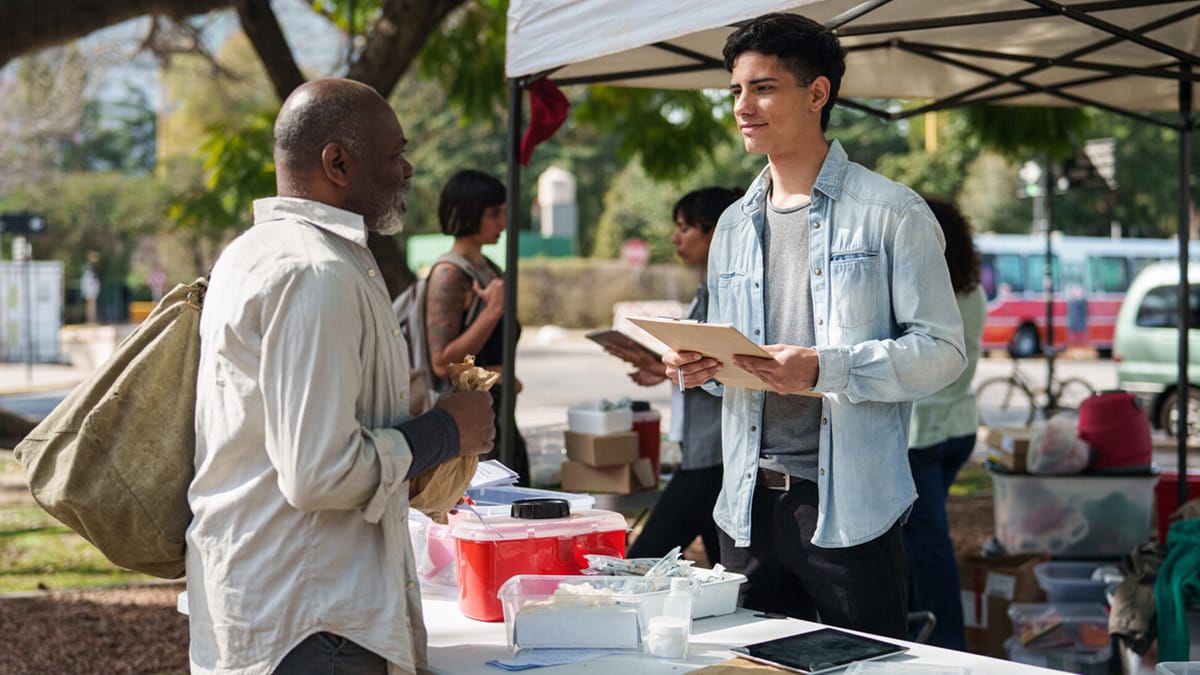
[392, 221]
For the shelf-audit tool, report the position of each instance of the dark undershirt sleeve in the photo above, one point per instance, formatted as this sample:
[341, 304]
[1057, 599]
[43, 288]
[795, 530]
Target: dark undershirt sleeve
[432, 438]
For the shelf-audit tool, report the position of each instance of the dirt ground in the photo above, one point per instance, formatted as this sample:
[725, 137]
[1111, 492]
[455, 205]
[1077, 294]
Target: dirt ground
[137, 630]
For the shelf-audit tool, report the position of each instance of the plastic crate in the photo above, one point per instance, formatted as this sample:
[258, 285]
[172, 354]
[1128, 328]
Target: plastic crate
[1076, 516]
[1069, 581]
[1038, 626]
[1083, 661]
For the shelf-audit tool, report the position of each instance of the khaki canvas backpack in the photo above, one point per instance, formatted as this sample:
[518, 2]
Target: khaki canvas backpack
[114, 460]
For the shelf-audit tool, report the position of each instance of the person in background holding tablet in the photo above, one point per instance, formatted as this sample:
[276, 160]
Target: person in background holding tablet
[941, 438]
[685, 508]
[839, 273]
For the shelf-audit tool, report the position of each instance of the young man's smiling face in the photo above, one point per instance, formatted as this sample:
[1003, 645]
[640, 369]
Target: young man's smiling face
[774, 112]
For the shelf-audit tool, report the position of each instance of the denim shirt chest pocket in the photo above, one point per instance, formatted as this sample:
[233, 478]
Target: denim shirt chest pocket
[855, 276]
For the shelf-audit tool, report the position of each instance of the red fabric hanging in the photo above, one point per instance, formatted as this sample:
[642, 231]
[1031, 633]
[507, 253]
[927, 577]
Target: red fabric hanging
[547, 111]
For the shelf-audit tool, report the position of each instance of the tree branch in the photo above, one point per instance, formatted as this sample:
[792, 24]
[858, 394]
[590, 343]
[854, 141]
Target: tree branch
[262, 27]
[45, 24]
[395, 39]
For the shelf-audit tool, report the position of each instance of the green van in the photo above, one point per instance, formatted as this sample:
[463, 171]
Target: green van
[1146, 344]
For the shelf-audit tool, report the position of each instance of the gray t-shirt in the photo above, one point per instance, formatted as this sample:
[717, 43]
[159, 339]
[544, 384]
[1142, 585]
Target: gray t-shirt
[701, 444]
[790, 424]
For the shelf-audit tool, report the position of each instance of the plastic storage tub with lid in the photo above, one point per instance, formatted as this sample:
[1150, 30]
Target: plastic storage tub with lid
[1073, 516]
[538, 537]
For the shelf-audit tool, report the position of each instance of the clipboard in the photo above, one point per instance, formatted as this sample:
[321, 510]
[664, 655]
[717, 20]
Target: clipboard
[721, 341]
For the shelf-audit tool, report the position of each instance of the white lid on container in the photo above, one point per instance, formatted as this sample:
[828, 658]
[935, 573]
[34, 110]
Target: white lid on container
[667, 626]
[507, 528]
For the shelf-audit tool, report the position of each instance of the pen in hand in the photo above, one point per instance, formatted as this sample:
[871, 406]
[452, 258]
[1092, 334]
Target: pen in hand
[679, 375]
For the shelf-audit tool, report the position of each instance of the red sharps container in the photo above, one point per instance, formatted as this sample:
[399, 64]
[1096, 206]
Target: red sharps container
[540, 536]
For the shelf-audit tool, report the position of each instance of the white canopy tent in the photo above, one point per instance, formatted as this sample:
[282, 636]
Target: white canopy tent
[1126, 56]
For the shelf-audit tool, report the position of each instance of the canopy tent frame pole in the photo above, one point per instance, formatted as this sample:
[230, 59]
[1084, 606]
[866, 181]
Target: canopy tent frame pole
[1183, 388]
[512, 228]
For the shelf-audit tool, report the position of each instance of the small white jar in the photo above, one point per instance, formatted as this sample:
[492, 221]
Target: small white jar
[667, 637]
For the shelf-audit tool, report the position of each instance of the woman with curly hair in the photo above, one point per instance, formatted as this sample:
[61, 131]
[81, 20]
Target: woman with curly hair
[941, 438]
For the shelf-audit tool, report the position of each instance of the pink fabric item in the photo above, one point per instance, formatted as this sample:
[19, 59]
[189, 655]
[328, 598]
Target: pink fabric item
[547, 112]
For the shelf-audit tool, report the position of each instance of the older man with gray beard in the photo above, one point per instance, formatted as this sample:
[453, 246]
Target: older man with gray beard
[297, 558]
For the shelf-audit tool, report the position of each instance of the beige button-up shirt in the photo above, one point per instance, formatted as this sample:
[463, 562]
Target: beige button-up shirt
[299, 497]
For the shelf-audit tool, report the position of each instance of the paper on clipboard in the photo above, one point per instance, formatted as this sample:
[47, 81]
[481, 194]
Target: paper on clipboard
[721, 341]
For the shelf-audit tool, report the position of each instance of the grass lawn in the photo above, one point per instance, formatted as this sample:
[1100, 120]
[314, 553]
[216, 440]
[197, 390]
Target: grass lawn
[37, 552]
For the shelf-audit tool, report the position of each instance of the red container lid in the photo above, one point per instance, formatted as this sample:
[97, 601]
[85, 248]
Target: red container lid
[507, 528]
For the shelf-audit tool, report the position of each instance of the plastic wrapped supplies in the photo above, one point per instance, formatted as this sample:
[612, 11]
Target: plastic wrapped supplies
[1056, 448]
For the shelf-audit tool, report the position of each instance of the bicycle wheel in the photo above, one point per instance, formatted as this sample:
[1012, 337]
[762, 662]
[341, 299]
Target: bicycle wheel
[1003, 402]
[1071, 394]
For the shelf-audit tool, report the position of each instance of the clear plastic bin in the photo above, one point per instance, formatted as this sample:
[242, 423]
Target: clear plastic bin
[537, 615]
[1083, 661]
[1054, 625]
[713, 594]
[1178, 668]
[1077, 516]
[1070, 581]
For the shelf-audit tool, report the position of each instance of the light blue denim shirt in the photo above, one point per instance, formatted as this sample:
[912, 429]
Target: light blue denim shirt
[888, 331]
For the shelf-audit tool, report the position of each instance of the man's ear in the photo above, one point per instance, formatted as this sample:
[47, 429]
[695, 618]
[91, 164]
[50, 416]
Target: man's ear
[335, 163]
[818, 93]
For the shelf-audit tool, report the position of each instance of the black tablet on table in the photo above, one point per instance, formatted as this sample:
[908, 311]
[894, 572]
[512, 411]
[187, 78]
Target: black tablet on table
[818, 651]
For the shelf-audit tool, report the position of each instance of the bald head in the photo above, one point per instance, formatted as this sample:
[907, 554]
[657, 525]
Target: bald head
[321, 112]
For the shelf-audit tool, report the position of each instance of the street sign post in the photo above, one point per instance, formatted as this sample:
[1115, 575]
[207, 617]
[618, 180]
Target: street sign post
[22, 223]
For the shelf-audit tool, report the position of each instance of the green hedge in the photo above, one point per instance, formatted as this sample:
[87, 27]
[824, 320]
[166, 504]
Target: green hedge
[581, 292]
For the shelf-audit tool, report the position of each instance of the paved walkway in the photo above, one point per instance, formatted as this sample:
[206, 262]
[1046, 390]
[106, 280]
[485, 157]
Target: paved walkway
[21, 378]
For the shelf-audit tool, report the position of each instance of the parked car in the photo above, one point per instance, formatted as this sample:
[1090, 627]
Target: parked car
[1146, 345]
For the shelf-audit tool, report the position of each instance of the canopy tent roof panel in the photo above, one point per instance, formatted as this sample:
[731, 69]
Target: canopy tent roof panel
[1123, 54]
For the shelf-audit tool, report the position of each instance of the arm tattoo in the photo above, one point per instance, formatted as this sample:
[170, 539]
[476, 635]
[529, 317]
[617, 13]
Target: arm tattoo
[449, 291]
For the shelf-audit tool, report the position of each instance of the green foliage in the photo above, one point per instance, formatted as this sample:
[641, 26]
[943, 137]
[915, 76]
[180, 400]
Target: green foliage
[866, 137]
[669, 131]
[239, 169]
[338, 12]
[1019, 131]
[466, 56]
[113, 136]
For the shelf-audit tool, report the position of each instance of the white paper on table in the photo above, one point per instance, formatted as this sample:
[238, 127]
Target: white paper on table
[492, 472]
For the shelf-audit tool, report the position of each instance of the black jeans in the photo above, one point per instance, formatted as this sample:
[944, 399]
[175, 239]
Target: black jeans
[861, 587]
[683, 512]
[933, 569]
[329, 654]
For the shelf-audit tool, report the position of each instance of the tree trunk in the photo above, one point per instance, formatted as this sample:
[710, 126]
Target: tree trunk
[395, 39]
[262, 27]
[31, 25]
[392, 263]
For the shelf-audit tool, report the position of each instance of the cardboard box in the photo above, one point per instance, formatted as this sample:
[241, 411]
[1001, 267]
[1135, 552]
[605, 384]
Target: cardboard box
[606, 450]
[622, 479]
[990, 585]
[1008, 447]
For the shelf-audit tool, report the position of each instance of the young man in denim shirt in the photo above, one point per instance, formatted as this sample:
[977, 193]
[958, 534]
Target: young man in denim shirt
[839, 273]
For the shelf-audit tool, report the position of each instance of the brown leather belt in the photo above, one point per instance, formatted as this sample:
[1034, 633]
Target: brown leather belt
[774, 480]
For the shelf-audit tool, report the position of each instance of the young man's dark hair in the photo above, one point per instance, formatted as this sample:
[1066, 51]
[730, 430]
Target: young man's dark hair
[701, 208]
[804, 47]
[464, 198]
